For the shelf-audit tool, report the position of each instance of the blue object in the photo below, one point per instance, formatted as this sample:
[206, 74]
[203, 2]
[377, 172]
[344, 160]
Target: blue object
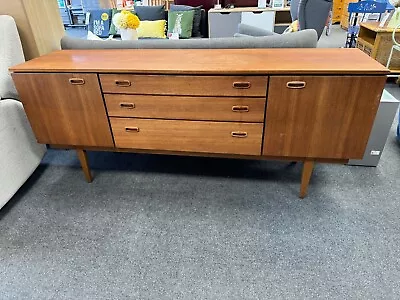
[357, 12]
[389, 6]
[398, 130]
[363, 7]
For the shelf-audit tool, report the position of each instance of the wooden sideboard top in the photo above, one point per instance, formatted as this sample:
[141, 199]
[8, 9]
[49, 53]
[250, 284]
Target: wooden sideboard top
[207, 61]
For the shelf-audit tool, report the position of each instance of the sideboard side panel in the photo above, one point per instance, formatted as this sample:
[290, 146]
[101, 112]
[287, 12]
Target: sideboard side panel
[65, 108]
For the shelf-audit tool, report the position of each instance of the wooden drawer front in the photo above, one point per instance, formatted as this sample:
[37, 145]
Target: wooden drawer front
[247, 86]
[189, 136]
[187, 108]
[321, 116]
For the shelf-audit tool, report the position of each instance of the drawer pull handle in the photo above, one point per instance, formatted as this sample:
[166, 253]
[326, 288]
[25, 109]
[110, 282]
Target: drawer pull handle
[123, 83]
[241, 85]
[77, 81]
[239, 134]
[127, 105]
[240, 108]
[296, 84]
[132, 129]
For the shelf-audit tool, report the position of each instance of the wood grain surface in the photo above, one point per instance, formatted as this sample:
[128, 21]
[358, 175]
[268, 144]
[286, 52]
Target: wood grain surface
[191, 136]
[83, 159]
[64, 113]
[374, 26]
[331, 117]
[185, 85]
[207, 61]
[186, 108]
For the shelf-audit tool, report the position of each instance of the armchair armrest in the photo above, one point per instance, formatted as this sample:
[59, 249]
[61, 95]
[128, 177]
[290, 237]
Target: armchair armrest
[10, 54]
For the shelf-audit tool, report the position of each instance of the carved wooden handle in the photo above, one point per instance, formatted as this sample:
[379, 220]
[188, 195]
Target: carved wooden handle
[123, 83]
[127, 105]
[77, 81]
[241, 85]
[132, 129]
[240, 108]
[296, 84]
[239, 134]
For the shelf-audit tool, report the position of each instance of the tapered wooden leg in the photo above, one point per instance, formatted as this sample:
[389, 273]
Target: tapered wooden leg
[84, 164]
[305, 177]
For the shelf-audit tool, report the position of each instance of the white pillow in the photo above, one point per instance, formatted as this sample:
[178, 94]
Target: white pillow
[92, 37]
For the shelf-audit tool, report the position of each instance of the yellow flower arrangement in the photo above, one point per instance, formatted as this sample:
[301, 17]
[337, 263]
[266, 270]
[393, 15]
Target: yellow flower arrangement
[126, 20]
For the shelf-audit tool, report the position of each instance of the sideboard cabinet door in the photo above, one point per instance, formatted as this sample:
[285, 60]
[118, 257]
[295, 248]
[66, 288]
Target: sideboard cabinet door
[65, 108]
[320, 116]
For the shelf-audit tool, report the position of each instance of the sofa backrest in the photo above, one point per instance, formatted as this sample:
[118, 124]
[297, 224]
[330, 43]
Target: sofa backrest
[11, 54]
[300, 39]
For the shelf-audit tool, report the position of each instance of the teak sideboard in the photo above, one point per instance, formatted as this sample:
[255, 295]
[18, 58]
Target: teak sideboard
[309, 105]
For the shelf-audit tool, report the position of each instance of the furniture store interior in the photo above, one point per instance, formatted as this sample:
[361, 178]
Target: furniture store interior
[199, 149]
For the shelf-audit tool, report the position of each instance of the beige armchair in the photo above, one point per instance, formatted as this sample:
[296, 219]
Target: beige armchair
[20, 154]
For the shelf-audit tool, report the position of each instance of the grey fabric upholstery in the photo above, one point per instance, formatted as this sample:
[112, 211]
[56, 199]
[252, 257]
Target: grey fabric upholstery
[20, 154]
[254, 31]
[301, 39]
[240, 35]
[10, 54]
[312, 14]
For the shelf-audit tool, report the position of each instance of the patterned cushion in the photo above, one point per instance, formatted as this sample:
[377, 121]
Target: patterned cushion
[196, 18]
[181, 22]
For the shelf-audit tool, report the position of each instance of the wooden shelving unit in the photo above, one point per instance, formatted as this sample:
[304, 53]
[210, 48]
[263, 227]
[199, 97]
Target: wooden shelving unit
[39, 25]
[344, 20]
[72, 13]
[337, 9]
[377, 42]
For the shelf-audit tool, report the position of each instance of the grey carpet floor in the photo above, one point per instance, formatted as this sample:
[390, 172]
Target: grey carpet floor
[165, 227]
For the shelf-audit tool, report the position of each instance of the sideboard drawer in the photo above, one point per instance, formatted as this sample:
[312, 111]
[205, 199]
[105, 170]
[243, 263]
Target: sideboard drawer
[186, 108]
[189, 136]
[246, 86]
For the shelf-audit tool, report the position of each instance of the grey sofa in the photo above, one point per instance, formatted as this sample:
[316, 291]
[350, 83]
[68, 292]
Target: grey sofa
[301, 39]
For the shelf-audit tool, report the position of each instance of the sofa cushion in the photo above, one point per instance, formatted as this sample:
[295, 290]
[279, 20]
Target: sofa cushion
[152, 29]
[196, 18]
[181, 22]
[150, 13]
[301, 39]
[99, 22]
[253, 31]
[113, 29]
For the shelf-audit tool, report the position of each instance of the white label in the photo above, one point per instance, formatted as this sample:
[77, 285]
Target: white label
[375, 152]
